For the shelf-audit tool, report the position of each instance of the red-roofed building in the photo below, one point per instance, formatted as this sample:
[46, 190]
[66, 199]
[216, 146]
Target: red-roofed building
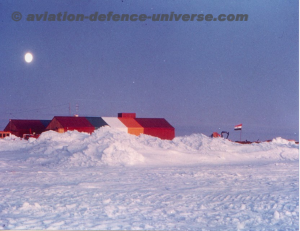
[69, 123]
[21, 127]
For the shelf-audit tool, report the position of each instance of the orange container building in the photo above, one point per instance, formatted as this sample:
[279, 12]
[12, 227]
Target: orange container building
[128, 119]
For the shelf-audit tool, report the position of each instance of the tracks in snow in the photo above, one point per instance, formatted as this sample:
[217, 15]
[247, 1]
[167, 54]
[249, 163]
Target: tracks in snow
[259, 197]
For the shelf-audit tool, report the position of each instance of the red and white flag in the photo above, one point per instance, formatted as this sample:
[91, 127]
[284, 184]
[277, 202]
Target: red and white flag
[238, 127]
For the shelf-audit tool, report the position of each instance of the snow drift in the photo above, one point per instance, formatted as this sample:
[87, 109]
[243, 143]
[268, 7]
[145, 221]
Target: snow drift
[111, 180]
[110, 147]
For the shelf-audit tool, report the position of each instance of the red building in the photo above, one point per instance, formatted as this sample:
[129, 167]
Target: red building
[69, 123]
[21, 127]
[128, 122]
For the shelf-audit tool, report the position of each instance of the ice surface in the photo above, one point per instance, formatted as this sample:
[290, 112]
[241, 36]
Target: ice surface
[114, 180]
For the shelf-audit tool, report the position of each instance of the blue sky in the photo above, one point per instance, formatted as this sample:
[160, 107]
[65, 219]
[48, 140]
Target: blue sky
[200, 76]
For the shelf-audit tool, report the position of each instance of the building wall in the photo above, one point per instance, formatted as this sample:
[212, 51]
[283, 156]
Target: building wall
[4, 134]
[162, 133]
[158, 127]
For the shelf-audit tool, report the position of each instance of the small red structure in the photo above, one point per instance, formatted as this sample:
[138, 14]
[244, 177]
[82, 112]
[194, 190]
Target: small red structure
[126, 115]
[215, 135]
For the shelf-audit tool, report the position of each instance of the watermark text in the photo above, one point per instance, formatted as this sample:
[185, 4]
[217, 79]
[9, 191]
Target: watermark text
[111, 16]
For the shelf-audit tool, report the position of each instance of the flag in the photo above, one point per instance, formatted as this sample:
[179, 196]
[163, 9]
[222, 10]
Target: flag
[238, 127]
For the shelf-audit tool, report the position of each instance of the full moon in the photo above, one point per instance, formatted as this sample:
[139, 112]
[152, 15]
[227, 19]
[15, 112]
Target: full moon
[28, 57]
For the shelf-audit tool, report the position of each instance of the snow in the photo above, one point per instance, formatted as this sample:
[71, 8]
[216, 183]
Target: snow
[112, 180]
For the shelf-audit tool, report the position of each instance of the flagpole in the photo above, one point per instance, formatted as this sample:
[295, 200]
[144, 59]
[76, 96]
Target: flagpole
[241, 135]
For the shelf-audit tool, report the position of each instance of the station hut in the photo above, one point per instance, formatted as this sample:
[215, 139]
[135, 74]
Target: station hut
[21, 127]
[62, 124]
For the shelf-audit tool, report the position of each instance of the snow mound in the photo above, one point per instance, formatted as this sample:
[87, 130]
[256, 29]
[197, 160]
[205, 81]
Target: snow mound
[110, 147]
[106, 146]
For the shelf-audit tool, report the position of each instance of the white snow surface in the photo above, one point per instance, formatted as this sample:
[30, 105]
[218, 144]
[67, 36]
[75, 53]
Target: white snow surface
[111, 180]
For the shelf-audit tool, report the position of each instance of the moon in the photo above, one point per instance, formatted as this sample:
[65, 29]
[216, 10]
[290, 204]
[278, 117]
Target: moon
[28, 57]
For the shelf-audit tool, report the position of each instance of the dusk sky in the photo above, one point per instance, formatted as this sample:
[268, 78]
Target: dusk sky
[202, 76]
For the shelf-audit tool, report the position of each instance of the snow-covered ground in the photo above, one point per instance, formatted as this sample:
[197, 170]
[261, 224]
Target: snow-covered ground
[113, 180]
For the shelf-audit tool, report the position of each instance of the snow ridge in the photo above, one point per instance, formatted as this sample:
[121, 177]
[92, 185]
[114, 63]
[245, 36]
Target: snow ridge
[107, 146]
